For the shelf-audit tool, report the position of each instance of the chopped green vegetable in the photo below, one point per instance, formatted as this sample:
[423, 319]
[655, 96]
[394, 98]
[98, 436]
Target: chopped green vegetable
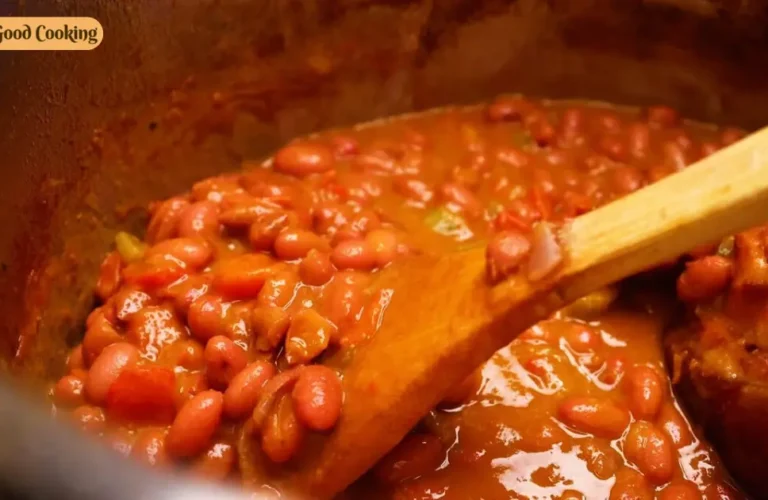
[726, 247]
[447, 223]
[129, 247]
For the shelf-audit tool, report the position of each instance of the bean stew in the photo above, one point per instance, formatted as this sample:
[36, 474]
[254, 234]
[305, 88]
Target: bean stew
[220, 338]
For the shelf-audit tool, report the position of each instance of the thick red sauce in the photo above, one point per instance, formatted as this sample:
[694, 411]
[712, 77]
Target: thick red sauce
[212, 330]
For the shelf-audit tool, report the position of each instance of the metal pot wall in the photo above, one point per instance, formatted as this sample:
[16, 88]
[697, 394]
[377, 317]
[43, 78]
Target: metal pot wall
[181, 90]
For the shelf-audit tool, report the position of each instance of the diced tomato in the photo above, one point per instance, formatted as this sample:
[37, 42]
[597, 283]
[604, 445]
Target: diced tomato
[143, 394]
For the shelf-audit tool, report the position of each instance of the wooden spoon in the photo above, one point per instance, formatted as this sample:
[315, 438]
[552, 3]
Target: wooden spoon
[444, 320]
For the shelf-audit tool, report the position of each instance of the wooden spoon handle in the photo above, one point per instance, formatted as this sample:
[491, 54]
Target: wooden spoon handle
[722, 194]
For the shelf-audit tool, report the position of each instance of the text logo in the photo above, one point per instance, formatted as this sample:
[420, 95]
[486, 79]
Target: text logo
[50, 33]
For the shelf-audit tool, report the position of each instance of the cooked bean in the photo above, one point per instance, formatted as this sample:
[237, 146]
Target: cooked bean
[153, 328]
[413, 188]
[149, 448]
[195, 425]
[129, 300]
[602, 460]
[384, 243]
[241, 277]
[199, 219]
[342, 299]
[416, 454]
[223, 360]
[165, 219]
[508, 108]
[729, 135]
[98, 335]
[156, 270]
[354, 254]
[662, 115]
[242, 213]
[68, 391]
[89, 418]
[704, 278]
[263, 233]
[650, 450]
[675, 426]
[461, 198]
[639, 138]
[317, 398]
[244, 390]
[645, 390]
[216, 463]
[505, 253]
[316, 268]
[107, 367]
[304, 158]
[188, 385]
[627, 179]
[294, 244]
[345, 146]
[206, 317]
[186, 290]
[195, 253]
[109, 276]
[630, 485]
[600, 417]
[680, 490]
[613, 370]
[307, 337]
[75, 360]
[282, 434]
[120, 440]
[187, 354]
[270, 324]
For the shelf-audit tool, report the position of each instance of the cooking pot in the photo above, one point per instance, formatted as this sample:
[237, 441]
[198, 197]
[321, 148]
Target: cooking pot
[89, 138]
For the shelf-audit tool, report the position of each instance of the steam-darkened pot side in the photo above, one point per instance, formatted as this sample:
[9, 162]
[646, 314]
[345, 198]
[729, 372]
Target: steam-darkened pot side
[82, 132]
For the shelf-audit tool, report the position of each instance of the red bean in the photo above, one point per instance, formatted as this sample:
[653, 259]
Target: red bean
[68, 391]
[342, 299]
[188, 385]
[98, 335]
[608, 121]
[415, 455]
[613, 371]
[344, 146]
[704, 278]
[241, 277]
[242, 213]
[354, 254]
[295, 244]
[316, 268]
[165, 219]
[675, 156]
[645, 390]
[199, 219]
[630, 485]
[195, 425]
[215, 189]
[280, 289]
[186, 290]
[245, 389]
[223, 360]
[155, 271]
[730, 135]
[206, 317]
[317, 398]
[304, 158]
[597, 416]
[149, 448]
[263, 233]
[508, 108]
[708, 149]
[153, 328]
[307, 337]
[282, 434]
[639, 136]
[613, 148]
[130, 300]
[627, 179]
[680, 490]
[187, 354]
[75, 360]
[270, 324]
[120, 440]
[107, 367]
[505, 253]
[662, 115]
[414, 189]
[216, 463]
[89, 418]
[384, 243]
[327, 218]
[675, 426]
[195, 253]
[649, 449]
[109, 276]
[461, 198]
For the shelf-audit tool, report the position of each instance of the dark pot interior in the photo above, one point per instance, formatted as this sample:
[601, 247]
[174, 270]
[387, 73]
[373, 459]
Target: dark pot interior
[89, 138]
